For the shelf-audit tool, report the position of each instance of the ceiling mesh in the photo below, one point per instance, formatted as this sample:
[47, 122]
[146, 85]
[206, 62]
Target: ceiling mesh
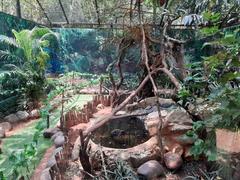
[77, 11]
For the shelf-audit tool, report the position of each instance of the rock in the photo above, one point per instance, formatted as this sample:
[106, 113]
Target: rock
[173, 161]
[45, 175]
[6, 126]
[152, 127]
[59, 141]
[100, 107]
[179, 116]
[77, 178]
[164, 103]
[152, 116]
[120, 113]
[184, 139]
[177, 121]
[52, 161]
[22, 115]
[56, 151]
[187, 152]
[152, 121]
[12, 118]
[48, 133]
[34, 114]
[2, 133]
[151, 169]
[203, 109]
[136, 155]
[178, 149]
[59, 133]
[172, 177]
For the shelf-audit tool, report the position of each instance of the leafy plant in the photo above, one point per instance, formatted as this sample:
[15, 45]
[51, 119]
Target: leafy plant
[23, 62]
[227, 115]
[201, 145]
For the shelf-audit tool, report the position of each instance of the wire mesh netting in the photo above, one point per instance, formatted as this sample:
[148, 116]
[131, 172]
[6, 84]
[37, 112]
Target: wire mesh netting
[62, 12]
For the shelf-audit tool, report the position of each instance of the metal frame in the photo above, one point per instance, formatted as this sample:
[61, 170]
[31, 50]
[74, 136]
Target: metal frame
[44, 12]
[98, 24]
[63, 10]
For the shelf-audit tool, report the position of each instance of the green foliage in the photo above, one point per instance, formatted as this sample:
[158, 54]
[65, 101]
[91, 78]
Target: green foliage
[202, 146]
[194, 85]
[227, 115]
[21, 161]
[223, 67]
[220, 68]
[23, 63]
[85, 50]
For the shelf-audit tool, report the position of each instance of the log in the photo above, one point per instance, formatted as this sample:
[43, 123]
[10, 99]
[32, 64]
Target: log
[106, 118]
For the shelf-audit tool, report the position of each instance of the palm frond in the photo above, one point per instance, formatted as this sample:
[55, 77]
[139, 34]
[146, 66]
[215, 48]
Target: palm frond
[8, 41]
[37, 33]
[24, 40]
[7, 56]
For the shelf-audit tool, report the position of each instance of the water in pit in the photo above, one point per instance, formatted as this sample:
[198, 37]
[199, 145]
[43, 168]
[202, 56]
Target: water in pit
[121, 133]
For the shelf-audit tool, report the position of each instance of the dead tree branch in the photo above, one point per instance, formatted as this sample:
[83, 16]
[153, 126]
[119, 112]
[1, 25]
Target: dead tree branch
[145, 56]
[105, 119]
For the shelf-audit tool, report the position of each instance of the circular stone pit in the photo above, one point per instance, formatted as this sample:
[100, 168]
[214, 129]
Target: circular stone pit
[121, 133]
[125, 139]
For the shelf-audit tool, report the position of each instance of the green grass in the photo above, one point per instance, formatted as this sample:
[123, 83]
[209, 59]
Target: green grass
[17, 141]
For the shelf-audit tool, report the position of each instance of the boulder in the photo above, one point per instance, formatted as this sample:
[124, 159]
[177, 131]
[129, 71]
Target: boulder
[164, 103]
[52, 161]
[203, 109]
[173, 177]
[34, 114]
[173, 161]
[12, 118]
[58, 150]
[153, 116]
[6, 126]
[45, 175]
[120, 113]
[59, 133]
[100, 107]
[177, 121]
[152, 121]
[151, 169]
[22, 115]
[152, 127]
[59, 141]
[184, 139]
[187, 152]
[2, 133]
[175, 148]
[48, 133]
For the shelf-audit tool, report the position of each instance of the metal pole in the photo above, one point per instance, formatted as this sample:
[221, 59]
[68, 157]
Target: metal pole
[18, 9]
